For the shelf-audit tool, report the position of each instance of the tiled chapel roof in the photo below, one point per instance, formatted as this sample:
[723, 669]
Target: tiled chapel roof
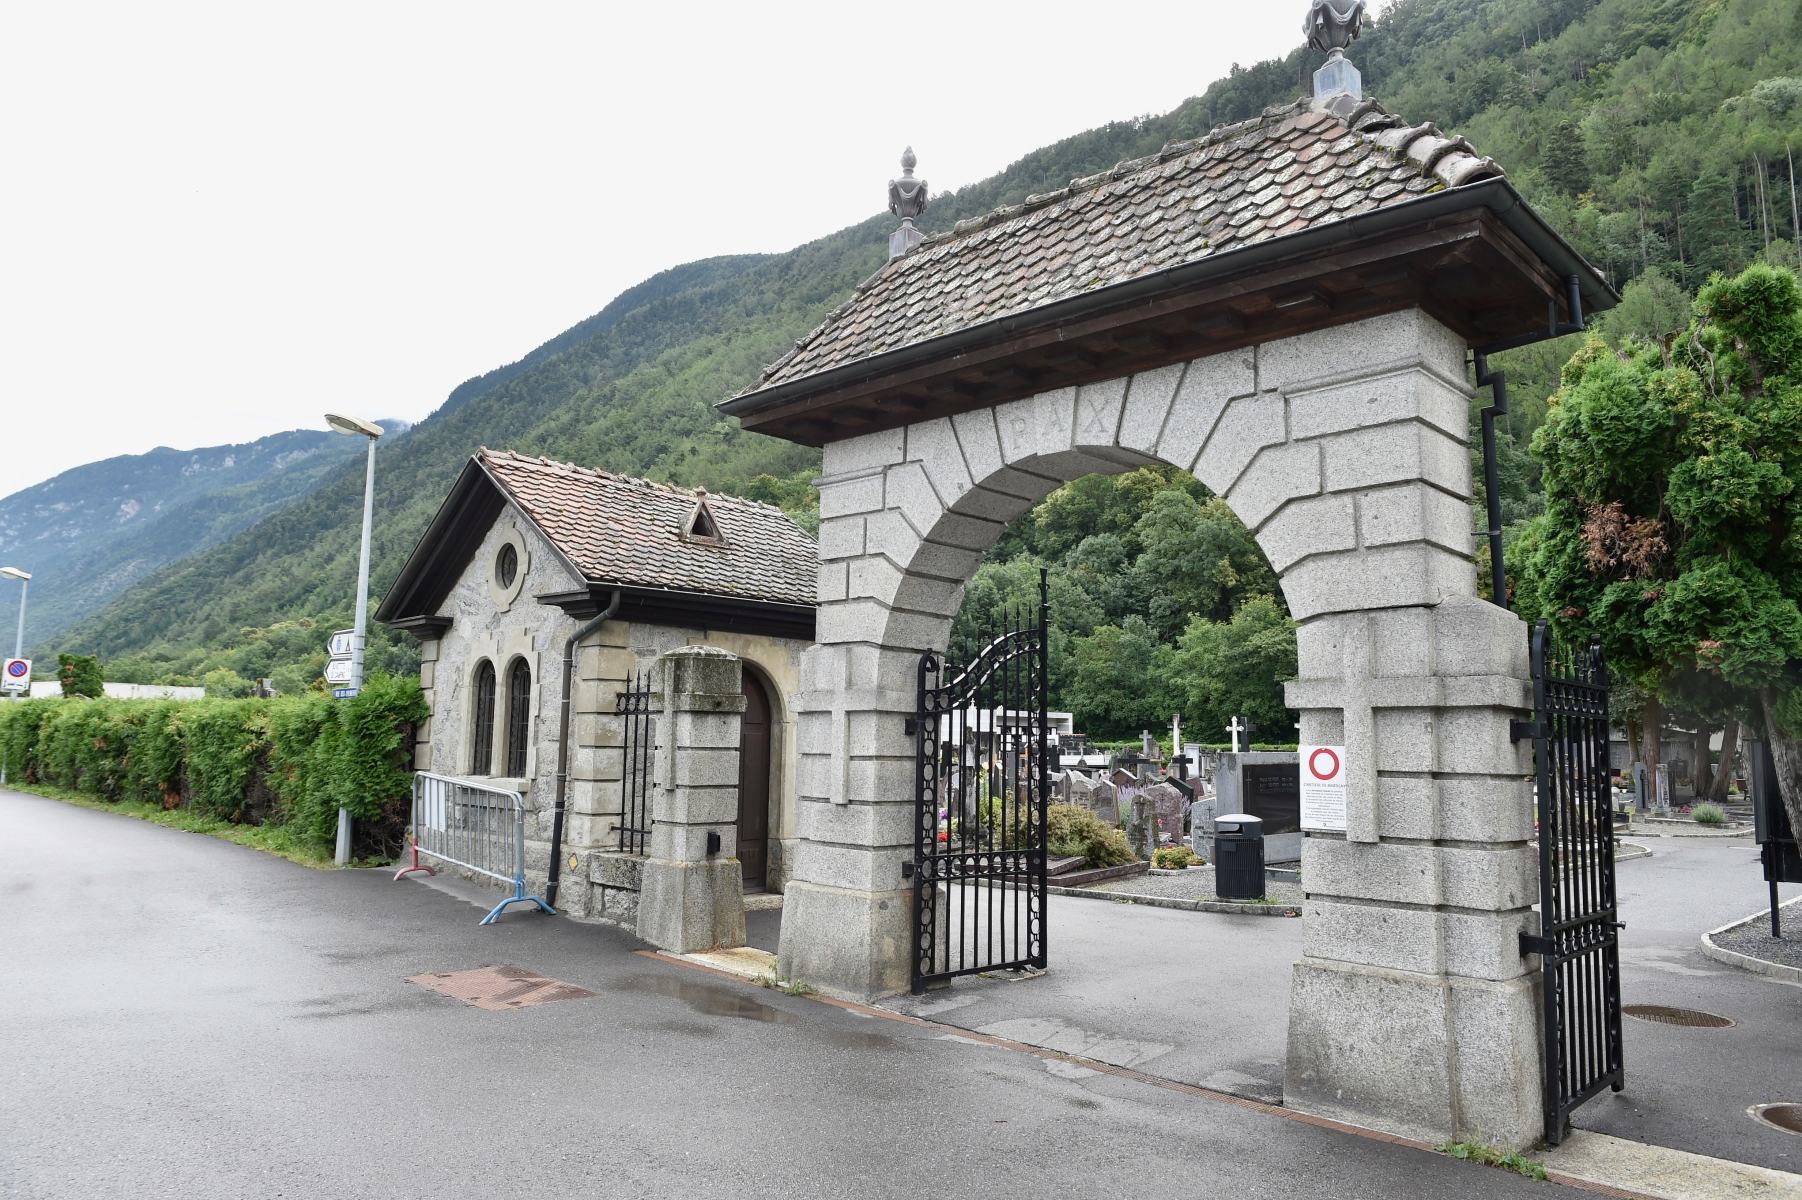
[1292, 169]
[617, 529]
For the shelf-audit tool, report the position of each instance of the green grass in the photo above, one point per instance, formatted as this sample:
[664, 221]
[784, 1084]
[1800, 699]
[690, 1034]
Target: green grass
[1489, 1156]
[1708, 814]
[278, 840]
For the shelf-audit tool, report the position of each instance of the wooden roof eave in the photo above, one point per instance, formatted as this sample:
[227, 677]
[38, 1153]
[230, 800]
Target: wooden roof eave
[1403, 255]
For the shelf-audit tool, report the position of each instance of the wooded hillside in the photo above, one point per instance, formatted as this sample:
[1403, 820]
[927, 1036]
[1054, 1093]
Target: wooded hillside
[1653, 133]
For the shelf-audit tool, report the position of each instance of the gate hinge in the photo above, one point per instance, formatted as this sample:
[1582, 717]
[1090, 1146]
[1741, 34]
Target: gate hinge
[907, 869]
[1534, 944]
[910, 726]
[1526, 730]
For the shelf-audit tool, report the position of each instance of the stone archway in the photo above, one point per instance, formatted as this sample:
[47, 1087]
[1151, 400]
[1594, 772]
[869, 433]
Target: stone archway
[1344, 450]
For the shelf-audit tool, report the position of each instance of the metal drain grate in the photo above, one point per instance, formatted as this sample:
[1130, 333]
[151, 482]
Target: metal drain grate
[499, 989]
[1693, 1018]
[1787, 1117]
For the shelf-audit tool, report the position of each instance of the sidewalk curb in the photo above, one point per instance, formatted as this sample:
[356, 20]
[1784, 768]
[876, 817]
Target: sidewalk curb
[1213, 906]
[1746, 962]
[1553, 1174]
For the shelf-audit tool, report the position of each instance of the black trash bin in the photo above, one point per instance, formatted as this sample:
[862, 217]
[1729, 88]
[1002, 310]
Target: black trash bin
[1239, 857]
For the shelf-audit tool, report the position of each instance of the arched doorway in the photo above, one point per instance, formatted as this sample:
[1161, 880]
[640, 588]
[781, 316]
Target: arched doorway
[754, 784]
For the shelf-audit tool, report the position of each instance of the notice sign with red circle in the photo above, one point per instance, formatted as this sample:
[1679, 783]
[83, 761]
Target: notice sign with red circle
[16, 675]
[1323, 788]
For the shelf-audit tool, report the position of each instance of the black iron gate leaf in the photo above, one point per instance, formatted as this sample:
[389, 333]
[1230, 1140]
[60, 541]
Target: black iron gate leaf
[982, 785]
[1579, 940]
[637, 742]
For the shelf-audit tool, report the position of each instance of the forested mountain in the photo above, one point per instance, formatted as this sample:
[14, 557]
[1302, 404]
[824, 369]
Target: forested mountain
[1653, 133]
[93, 530]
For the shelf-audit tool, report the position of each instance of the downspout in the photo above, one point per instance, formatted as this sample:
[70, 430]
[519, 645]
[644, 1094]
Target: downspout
[569, 683]
[1497, 383]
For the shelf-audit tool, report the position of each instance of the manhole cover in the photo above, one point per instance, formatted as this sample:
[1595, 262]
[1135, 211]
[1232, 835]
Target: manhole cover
[1676, 1016]
[1787, 1117]
[498, 989]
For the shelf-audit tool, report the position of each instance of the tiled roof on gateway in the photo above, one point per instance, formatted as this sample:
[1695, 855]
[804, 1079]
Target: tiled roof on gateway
[1293, 168]
[616, 529]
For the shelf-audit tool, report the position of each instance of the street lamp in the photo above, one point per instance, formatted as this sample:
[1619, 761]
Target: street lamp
[24, 578]
[348, 424]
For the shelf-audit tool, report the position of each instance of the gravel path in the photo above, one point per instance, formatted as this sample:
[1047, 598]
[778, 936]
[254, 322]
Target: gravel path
[1756, 940]
[1196, 883]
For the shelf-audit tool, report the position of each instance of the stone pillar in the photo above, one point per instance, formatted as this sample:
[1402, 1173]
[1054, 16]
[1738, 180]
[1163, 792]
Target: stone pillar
[1412, 1009]
[692, 898]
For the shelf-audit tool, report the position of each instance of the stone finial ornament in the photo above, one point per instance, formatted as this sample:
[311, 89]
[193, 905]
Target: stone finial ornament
[907, 198]
[1333, 24]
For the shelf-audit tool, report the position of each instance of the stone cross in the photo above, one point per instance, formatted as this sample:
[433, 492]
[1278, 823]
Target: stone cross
[1237, 727]
[1176, 742]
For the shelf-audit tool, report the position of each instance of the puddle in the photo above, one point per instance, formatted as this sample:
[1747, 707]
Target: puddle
[718, 1001]
[707, 998]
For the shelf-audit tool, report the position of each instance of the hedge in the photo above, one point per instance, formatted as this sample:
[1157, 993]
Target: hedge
[314, 754]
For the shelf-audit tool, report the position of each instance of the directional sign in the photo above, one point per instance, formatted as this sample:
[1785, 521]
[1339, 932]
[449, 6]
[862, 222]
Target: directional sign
[338, 671]
[1323, 788]
[343, 643]
[16, 676]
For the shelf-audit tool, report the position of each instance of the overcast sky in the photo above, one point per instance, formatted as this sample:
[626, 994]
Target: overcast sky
[222, 219]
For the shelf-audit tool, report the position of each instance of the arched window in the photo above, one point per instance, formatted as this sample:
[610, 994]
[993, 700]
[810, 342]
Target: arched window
[519, 717]
[481, 761]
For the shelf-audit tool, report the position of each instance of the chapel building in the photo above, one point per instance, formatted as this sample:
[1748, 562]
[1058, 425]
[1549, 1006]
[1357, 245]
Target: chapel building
[525, 551]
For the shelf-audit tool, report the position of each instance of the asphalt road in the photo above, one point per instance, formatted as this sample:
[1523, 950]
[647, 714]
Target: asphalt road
[185, 1017]
[1689, 1088]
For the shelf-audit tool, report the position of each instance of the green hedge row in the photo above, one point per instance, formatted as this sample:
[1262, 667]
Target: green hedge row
[311, 755]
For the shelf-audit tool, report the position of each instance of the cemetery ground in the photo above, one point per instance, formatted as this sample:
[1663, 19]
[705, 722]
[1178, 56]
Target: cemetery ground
[188, 1017]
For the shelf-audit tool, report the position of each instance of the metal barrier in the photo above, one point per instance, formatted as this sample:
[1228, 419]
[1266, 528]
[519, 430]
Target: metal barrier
[474, 826]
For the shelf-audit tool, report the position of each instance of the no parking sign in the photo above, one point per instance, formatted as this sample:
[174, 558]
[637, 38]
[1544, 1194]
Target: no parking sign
[16, 676]
[1323, 788]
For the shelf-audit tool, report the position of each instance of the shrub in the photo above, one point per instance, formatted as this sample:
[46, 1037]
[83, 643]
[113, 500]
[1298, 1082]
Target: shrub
[1072, 830]
[1173, 858]
[1708, 814]
[316, 754]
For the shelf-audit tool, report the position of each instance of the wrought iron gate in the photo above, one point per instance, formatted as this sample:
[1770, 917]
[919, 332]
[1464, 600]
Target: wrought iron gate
[637, 741]
[983, 755]
[1579, 940]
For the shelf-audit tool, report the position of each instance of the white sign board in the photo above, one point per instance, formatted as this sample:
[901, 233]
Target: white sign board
[343, 643]
[338, 671]
[16, 675]
[1323, 788]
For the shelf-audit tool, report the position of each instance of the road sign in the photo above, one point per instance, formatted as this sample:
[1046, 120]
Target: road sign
[338, 671]
[343, 693]
[1323, 788]
[343, 643]
[16, 676]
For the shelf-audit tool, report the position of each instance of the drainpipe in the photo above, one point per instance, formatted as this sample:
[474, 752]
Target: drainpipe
[1497, 383]
[569, 683]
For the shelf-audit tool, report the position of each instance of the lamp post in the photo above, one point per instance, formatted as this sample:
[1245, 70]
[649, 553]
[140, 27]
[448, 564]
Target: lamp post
[356, 425]
[24, 578]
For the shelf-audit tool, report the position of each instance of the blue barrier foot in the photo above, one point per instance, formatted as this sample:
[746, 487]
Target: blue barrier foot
[502, 906]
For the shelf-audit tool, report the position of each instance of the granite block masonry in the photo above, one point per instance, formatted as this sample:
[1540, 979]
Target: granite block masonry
[691, 895]
[1344, 451]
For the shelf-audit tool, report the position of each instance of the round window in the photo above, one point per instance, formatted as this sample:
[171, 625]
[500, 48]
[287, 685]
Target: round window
[506, 566]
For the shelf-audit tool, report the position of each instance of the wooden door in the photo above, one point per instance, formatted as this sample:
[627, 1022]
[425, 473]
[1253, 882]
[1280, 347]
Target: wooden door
[754, 784]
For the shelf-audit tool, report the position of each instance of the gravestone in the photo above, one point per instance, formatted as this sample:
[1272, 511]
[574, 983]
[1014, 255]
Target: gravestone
[1142, 826]
[1105, 803]
[1168, 802]
[1267, 785]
